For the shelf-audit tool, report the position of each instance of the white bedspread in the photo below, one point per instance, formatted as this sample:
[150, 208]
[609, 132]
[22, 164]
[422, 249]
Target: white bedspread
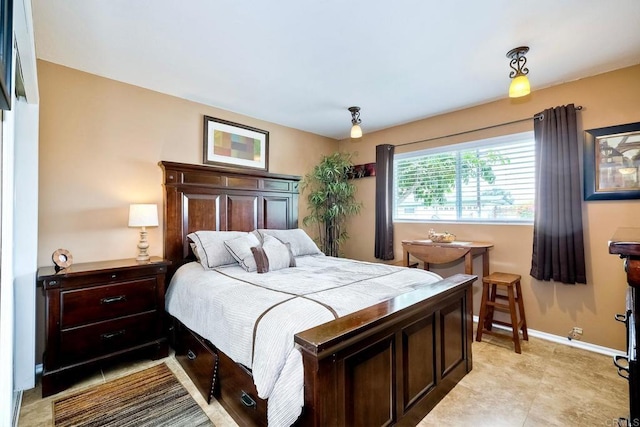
[253, 317]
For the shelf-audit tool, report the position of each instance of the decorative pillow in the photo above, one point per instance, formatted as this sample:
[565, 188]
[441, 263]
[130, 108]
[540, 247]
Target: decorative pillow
[273, 255]
[301, 243]
[210, 247]
[194, 250]
[240, 249]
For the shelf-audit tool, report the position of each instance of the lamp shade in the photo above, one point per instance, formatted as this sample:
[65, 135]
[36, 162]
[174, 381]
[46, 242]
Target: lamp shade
[519, 87]
[356, 131]
[143, 215]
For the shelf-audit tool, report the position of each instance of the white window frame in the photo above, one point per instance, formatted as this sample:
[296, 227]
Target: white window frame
[482, 143]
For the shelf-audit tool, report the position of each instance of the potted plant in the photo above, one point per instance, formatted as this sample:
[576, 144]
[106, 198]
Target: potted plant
[331, 200]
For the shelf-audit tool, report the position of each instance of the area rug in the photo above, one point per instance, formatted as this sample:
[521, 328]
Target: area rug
[152, 397]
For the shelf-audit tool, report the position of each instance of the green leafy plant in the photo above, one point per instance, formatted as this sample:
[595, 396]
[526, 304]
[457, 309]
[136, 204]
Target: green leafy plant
[434, 177]
[331, 200]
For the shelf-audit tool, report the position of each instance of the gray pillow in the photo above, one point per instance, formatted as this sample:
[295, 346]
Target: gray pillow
[273, 255]
[301, 243]
[210, 247]
[240, 249]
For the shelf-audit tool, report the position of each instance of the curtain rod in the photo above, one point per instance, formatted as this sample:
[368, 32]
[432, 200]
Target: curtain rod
[538, 116]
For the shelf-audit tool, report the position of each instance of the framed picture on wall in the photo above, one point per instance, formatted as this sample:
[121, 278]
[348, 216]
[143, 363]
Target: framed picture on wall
[6, 52]
[612, 162]
[231, 144]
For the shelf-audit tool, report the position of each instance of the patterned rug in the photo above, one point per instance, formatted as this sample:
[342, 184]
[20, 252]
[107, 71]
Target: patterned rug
[152, 397]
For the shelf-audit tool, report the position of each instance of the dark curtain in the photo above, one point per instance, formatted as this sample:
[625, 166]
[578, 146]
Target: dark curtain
[384, 202]
[558, 245]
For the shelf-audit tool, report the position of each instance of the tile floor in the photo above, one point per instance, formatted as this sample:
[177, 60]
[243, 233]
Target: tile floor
[547, 385]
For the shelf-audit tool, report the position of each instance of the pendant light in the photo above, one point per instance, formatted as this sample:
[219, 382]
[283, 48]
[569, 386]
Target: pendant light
[519, 81]
[356, 130]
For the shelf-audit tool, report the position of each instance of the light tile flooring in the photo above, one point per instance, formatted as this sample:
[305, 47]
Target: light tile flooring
[547, 385]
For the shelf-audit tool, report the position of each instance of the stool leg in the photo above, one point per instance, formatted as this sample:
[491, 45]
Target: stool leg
[491, 308]
[523, 318]
[483, 311]
[514, 320]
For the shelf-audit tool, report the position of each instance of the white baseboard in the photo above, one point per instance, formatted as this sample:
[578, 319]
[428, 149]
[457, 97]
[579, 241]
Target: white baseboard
[566, 341]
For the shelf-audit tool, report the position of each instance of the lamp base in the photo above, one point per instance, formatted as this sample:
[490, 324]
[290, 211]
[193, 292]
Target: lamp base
[143, 245]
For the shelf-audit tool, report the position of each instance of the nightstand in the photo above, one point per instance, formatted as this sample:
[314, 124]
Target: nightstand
[101, 312]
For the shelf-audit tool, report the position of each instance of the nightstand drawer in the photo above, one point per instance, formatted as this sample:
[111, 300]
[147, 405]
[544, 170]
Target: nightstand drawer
[107, 337]
[89, 305]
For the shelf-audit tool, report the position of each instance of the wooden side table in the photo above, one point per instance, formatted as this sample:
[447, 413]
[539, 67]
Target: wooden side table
[441, 253]
[98, 312]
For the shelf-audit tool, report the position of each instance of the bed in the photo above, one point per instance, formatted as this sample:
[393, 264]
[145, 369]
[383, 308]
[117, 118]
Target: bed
[388, 361]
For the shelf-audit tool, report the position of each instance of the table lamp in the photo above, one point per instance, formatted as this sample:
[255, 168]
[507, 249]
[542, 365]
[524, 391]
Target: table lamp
[143, 215]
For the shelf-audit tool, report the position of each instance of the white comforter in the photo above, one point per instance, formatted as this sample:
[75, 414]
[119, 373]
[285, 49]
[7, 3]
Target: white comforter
[252, 317]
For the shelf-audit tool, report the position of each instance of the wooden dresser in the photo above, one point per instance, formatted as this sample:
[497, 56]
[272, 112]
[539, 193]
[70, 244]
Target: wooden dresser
[626, 243]
[99, 312]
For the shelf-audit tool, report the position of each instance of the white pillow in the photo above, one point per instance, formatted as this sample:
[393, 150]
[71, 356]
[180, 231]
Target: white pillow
[273, 255]
[194, 250]
[301, 243]
[240, 249]
[210, 247]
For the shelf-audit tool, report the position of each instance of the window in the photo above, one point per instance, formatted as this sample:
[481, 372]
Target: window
[491, 180]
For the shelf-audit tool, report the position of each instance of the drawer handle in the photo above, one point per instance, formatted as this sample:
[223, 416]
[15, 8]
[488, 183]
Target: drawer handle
[191, 355]
[111, 300]
[111, 335]
[621, 369]
[247, 400]
[621, 317]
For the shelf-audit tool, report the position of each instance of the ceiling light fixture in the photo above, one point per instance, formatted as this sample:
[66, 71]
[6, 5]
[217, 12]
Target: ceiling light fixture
[519, 81]
[356, 130]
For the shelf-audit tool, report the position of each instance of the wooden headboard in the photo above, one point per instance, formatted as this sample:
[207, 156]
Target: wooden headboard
[198, 197]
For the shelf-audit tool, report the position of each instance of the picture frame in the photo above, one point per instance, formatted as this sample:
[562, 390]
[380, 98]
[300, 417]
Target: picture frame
[612, 162]
[233, 145]
[6, 53]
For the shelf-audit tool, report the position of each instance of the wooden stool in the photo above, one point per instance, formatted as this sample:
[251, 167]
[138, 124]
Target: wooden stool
[489, 305]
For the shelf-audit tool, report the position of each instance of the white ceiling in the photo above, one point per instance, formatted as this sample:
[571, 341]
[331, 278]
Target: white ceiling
[301, 63]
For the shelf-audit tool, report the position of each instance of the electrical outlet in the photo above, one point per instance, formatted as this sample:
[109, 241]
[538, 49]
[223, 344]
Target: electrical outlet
[575, 333]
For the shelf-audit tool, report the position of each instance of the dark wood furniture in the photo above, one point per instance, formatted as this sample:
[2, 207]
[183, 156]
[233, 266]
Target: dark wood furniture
[488, 305]
[387, 364]
[626, 243]
[99, 312]
[441, 253]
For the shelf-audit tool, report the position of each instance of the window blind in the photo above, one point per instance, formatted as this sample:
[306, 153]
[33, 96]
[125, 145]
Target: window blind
[489, 180]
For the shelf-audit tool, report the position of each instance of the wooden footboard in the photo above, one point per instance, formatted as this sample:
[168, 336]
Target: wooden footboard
[389, 364]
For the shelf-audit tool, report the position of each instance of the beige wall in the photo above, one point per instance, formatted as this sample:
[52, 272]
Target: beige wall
[608, 99]
[100, 144]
